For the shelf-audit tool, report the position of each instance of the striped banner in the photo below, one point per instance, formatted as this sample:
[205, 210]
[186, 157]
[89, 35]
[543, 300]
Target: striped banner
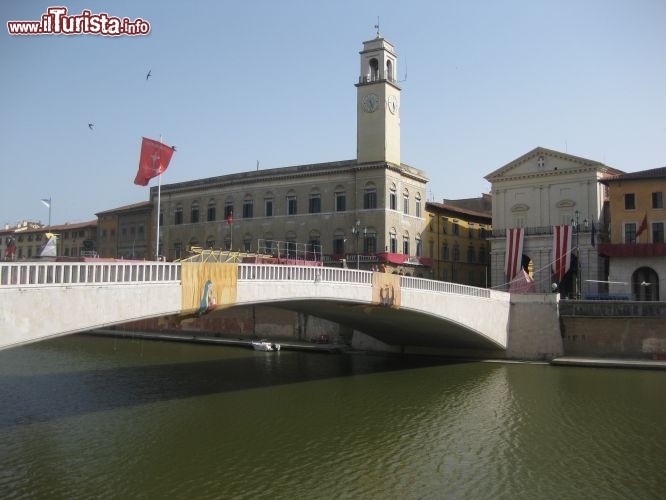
[514, 252]
[562, 250]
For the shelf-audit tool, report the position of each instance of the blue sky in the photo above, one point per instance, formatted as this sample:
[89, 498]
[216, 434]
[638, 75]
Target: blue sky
[236, 82]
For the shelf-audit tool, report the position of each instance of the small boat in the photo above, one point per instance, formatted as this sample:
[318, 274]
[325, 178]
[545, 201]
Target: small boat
[265, 345]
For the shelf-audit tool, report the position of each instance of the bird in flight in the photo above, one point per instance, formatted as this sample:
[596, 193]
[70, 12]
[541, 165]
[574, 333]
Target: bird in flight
[91, 125]
[148, 75]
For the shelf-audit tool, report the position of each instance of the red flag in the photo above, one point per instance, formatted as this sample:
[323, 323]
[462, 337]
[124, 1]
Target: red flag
[643, 226]
[230, 218]
[155, 158]
[514, 252]
[561, 250]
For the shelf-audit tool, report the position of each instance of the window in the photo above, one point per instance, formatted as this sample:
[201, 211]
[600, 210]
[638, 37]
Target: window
[629, 201]
[247, 243]
[657, 200]
[456, 228]
[194, 213]
[142, 232]
[315, 204]
[418, 206]
[161, 218]
[405, 203]
[445, 226]
[123, 234]
[394, 241]
[248, 208]
[210, 213]
[292, 208]
[178, 216]
[444, 255]
[471, 255]
[482, 254]
[228, 209]
[456, 253]
[370, 241]
[210, 242]
[393, 199]
[340, 201]
[630, 232]
[370, 198]
[177, 250]
[658, 232]
[405, 244]
[338, 244]
[470, 231]
[419, 247]
[268, 207]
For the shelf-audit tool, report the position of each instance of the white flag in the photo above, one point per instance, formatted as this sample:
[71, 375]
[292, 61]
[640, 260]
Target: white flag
[47, 202]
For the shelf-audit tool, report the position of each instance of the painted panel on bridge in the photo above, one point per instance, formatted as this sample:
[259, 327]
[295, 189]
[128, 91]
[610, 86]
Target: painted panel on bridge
[386, 290]
[208, 286]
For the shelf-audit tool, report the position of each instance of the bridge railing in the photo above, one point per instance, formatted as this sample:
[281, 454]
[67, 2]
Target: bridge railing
[268, 272]
[443, 287]
[40, 274]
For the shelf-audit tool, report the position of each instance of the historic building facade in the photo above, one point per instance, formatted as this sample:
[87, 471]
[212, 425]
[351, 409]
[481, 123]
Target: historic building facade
[371, 204]
[73, 240]
[125, 232]
[635, 247]
[457, 242]
[539, 190]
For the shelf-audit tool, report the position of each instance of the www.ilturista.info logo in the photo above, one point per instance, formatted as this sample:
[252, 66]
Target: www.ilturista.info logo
[57, 22]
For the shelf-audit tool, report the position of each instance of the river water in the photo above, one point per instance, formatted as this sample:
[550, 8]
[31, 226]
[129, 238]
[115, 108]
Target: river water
[98, 417]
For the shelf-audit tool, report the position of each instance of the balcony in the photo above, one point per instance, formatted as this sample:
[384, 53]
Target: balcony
[632, 249]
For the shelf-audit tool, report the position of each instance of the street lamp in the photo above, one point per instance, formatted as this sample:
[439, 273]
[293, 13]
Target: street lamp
[356, 231]
[575, 222]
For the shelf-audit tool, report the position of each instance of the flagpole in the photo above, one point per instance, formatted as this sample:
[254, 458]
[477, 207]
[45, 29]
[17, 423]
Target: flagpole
[159, 201]
[50, 205]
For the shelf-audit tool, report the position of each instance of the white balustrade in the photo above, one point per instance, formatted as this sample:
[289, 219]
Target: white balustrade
[41, 274]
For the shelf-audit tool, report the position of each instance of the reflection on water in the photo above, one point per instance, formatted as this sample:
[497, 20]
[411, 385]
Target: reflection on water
[84, 417]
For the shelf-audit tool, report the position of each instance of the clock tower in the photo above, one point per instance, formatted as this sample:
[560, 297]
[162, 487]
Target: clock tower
[378, 104]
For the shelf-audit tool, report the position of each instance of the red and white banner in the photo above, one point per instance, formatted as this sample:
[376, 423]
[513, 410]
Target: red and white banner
[155, 158]
[514, 252]
[562, 250]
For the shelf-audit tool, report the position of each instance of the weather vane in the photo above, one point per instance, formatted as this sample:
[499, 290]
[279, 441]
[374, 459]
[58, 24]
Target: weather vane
[377, 27]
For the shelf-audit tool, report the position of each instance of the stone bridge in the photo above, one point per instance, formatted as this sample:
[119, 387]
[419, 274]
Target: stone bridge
[40, 300]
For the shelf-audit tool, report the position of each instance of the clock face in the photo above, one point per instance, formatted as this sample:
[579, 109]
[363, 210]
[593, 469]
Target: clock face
[370, 103]
[392, 103]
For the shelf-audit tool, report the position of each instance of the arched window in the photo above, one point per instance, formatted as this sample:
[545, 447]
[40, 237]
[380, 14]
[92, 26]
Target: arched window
[471, 255]
[405, 201]
[374, 69]
[210, 211]
[370, 196]
[393, 197]
[314, 203]
[194, 212]
[393, 235]
[389, 70]
[340, 199]
[444, 254]
[248, 207]
[247, 242]
[405, 243]
[456, 253]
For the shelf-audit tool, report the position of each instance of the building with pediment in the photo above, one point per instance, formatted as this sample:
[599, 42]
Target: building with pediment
[541, 189]
[372, 204]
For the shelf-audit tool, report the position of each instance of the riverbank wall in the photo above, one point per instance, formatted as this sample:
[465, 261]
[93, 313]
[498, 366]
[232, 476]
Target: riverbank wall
[609, 329]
